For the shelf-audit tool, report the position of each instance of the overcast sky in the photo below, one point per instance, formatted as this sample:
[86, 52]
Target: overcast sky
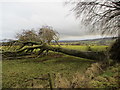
[17, 15]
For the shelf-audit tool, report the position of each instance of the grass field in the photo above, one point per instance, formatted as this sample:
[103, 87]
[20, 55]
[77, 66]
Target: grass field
[85, 48]
[17, 73]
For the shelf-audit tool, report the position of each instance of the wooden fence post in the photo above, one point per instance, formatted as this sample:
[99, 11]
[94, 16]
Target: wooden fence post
[50, 81]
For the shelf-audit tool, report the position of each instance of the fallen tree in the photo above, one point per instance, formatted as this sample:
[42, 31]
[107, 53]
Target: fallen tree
[44, 47]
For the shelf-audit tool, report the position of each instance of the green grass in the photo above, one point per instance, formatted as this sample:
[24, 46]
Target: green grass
[85, 48]
[16, 73]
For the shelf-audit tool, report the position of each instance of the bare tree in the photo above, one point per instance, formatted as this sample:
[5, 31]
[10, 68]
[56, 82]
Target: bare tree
[27, 35]
[102, 16]
[47, 34]
[99, 15]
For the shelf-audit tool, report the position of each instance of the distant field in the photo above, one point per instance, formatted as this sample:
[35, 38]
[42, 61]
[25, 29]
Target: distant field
[85, 48]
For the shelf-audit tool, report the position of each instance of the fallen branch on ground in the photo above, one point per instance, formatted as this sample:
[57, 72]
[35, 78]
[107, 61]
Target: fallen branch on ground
[82, 54]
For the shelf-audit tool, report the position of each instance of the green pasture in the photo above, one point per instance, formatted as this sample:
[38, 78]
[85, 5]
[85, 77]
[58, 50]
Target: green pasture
[86, 48]
[18, 73]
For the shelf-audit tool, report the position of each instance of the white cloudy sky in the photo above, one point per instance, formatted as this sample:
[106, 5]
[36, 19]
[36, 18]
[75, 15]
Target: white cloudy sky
[16, 15]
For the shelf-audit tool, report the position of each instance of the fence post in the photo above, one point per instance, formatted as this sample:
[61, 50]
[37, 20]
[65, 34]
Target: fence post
[50, 81]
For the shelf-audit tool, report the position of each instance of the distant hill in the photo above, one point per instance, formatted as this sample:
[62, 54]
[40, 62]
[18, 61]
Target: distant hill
[97, 41]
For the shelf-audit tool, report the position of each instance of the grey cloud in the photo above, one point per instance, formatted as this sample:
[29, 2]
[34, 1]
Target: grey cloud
[18, 16]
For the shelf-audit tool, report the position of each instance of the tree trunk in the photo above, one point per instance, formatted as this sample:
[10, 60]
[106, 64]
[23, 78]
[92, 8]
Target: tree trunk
[82, 54]
[115, 51]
